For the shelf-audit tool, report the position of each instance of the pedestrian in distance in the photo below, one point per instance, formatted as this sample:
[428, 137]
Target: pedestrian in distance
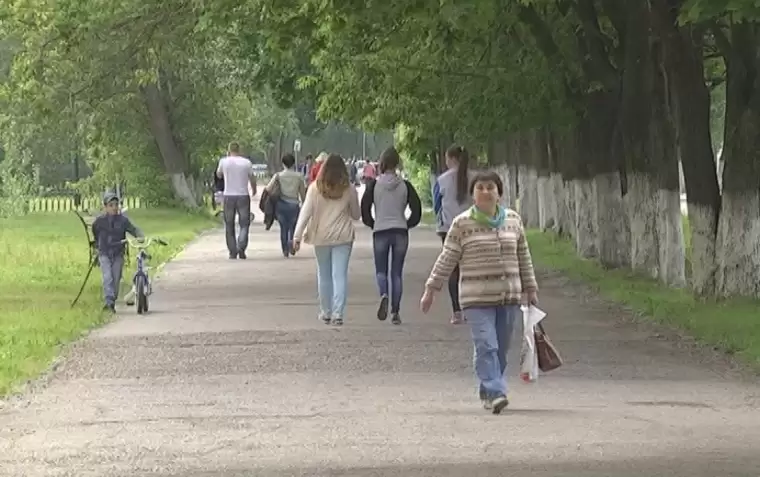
[239, 186]
[287, 188]
[450, 198]
[390, 195]
[326, 222]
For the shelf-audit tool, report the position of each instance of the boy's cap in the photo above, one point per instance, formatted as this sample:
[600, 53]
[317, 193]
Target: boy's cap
[109, 197]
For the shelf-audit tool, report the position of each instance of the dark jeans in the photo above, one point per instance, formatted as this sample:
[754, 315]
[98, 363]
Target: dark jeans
[239, 205]
[287, 216]
[453, 283]
[394, 243]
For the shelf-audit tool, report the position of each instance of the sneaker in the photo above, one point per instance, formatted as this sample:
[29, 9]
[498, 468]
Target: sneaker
[485, 401]
[242, 255]
[395, 319]
[110, 308]
[382, 308]
[458, 318]
[325, 319]
[337, 321]
[130, 302]
[498, 404]
[233, 256]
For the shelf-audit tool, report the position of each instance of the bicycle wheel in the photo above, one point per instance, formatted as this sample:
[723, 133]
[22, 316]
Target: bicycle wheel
[141, 290]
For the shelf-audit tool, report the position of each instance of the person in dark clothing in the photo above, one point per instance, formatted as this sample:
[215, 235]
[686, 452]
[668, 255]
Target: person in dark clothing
[390, 195]
[109, 231]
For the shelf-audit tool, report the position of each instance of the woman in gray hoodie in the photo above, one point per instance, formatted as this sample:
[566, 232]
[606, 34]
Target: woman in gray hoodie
[451, 198]
[390, 194]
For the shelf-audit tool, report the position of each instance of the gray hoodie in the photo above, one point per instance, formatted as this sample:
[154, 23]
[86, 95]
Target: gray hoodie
[390, 194]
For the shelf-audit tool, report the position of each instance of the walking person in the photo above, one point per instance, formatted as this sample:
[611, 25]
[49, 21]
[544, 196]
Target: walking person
[239, 186]
[390, 195]
[326, 222]
[450, 198]
[287, 188]
[488, 244]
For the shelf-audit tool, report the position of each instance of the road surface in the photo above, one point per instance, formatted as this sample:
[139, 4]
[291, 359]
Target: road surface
[231, 374]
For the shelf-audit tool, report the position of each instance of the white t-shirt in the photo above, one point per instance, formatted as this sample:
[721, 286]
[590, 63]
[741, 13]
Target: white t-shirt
[237, 172]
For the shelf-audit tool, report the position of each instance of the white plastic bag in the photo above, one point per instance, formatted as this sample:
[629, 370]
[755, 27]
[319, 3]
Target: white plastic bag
[528, 357]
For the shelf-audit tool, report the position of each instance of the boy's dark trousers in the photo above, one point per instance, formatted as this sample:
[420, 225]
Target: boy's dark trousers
[111, 268]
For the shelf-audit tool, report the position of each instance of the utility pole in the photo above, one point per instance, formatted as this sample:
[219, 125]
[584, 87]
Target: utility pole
[364, 145]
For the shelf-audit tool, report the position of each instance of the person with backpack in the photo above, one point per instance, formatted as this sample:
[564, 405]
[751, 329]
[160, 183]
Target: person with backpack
[390, 195]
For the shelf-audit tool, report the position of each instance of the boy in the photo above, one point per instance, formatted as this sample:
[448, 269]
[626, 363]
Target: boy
[108, 230]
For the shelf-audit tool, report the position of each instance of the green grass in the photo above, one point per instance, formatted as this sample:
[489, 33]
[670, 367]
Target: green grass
[43, 259]
[732, 326]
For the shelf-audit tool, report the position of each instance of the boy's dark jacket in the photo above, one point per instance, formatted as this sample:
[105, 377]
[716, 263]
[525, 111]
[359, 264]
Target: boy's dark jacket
[108, 232]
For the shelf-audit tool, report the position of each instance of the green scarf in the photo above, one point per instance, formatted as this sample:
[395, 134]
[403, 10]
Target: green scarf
[484, 219]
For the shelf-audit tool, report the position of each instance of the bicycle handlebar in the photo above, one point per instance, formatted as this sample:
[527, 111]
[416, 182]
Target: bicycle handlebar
[147, 241]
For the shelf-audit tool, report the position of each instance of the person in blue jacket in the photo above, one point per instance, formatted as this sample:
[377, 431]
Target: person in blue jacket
[450, 198]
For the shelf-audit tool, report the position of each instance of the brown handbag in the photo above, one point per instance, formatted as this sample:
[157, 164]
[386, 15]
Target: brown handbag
[548, 356]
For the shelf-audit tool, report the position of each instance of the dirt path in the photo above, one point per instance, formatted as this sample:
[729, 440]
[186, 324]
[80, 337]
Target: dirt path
[231, 374]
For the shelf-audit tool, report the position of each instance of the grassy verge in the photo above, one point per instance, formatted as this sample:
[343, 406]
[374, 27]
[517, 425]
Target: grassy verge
[731, 326]
[43, 260]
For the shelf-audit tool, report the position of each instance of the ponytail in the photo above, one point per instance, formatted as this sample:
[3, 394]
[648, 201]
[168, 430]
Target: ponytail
[460, 154]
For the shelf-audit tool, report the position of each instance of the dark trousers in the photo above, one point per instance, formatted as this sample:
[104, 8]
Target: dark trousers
[391, 244]
[287, 216]
[453, 283]
[239, 205]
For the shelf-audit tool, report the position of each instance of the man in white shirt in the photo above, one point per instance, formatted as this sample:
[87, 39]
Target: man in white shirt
[239, 187]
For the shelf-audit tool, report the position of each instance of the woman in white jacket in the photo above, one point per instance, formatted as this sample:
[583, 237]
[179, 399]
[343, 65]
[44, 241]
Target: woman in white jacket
[327, 217]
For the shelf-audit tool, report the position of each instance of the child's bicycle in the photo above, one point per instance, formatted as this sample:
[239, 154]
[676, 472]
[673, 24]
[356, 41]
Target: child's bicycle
[141, 284]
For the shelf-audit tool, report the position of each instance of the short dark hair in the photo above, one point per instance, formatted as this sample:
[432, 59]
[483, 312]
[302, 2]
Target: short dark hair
[487, 176]
[389, 160]
[288, 160]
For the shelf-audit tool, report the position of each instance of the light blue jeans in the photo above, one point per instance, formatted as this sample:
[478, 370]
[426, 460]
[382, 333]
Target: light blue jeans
[491, 329]
[332, 278]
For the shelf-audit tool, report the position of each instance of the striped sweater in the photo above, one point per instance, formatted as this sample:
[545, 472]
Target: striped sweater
[495, 266]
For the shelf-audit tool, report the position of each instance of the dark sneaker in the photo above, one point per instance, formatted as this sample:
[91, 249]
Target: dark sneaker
[498, 404]
[109, 308]
[395, 319]
[242, 255]
[233, 256]
[382, 308]
[337, 321]
[484, 400]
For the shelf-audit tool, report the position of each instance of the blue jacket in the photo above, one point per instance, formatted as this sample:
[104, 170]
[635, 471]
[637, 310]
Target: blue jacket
[109, 230]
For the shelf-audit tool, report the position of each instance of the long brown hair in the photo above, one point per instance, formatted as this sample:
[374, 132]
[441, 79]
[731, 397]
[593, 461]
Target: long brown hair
[332, 180]
[460, 154]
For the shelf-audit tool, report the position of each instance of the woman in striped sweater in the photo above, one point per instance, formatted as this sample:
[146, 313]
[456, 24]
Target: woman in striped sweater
[488, 244]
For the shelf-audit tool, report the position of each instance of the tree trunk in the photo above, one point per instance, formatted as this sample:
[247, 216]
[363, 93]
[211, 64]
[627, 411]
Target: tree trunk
[691, 107]
[565, 223]
[613, 232]
[175, 162]
[585, 195]
[738, 247]
[547, 200]
[636, 114]
[672, 268]
[527, 177]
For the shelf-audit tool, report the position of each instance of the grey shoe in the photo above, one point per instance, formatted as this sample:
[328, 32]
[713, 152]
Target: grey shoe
[498, 404]
[337, 321]
[395, 319]
[325, 319]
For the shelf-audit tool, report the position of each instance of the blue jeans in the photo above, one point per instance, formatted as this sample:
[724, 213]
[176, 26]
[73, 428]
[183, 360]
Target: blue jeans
[287, 216]
[491, 329]
[394, 243]
[111, 268]
[332, 278]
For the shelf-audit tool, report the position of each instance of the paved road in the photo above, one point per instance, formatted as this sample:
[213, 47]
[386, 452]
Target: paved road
[231, 374]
